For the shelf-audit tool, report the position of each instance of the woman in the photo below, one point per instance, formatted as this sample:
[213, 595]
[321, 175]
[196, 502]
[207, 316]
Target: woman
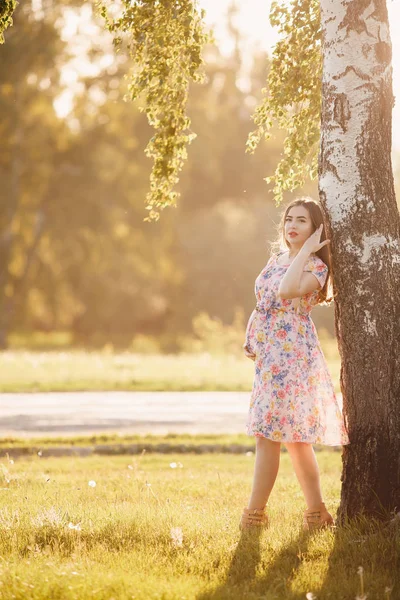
[293, 399]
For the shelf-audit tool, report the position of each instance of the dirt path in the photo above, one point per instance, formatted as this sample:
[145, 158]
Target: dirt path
[27, 415]
[63, 413]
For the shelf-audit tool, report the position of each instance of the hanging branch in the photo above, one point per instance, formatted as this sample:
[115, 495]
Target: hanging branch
[7, 8]
[165, 40]
[293, 94]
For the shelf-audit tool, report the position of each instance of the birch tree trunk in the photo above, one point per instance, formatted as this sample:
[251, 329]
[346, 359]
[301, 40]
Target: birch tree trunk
[357, 193]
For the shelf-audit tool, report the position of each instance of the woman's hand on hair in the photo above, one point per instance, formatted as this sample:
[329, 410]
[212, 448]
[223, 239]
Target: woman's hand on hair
[313, 244]
[248, 352]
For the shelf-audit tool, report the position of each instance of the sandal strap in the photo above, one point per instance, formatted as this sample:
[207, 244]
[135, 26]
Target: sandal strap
[254, 511]
[254, 516]
[314, 515]
[315, 518]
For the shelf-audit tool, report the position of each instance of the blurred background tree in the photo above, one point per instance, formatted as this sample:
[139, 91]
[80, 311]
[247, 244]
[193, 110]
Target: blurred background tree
[76, 255]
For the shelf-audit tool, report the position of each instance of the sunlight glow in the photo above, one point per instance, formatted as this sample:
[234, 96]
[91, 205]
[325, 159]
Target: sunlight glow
[253, 20]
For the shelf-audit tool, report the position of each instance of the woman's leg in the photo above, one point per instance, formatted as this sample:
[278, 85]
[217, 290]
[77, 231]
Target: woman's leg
[306, 468]
[265, 471]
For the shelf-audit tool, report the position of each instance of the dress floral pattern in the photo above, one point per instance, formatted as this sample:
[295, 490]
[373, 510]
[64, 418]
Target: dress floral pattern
[293, 398]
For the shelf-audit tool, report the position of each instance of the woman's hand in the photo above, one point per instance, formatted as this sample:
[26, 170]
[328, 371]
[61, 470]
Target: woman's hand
[248, 352]
[313, 244]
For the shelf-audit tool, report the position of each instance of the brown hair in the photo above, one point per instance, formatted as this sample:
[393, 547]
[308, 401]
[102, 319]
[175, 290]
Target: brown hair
[326, 294]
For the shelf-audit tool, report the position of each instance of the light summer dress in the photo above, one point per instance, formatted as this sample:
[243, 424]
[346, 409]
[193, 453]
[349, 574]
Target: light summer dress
[293, 398]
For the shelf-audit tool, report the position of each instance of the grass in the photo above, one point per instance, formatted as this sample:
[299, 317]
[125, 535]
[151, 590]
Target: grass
[79, 370]
[116, 444]
[115, 438]
[166, 527]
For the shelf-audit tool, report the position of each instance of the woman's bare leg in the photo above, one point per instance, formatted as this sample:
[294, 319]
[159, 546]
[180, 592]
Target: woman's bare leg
[265, 471]
[306, 468]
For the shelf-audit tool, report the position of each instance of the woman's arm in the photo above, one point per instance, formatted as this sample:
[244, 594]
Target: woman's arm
[245, 346]
[250, 322]
[295, 282]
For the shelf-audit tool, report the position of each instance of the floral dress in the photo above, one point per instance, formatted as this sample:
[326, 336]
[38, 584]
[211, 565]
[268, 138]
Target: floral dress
[293, 398]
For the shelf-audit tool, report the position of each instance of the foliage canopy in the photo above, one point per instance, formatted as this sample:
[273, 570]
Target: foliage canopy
[292, 98]
[165, 39]
[7, 8]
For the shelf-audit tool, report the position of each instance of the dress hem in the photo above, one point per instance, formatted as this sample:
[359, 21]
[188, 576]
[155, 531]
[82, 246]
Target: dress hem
[299, 441]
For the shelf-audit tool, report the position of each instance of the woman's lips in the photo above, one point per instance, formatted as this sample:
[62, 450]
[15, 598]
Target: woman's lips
[293, 234]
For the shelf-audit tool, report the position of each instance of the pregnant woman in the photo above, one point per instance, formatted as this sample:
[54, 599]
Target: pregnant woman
[293, 399]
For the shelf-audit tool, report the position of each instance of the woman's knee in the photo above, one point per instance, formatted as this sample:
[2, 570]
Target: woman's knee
[296, 447]
[263, 442]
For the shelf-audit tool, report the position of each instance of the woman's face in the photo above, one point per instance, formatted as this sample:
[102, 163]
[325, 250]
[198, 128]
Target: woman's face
[297, 221]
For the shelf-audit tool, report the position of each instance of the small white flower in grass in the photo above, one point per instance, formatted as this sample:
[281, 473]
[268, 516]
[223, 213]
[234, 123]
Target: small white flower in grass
[249, 453]
[173, 465]
[130, 467]
[310, 596]
[92, 483]
[77, 527]
[177, 536]
[40, 453]
[148, 484]
[362, 596]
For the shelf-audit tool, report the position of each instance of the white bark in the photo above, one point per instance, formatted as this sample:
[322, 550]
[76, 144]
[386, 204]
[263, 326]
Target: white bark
[357, 102]
[357, 193]
[353, 73]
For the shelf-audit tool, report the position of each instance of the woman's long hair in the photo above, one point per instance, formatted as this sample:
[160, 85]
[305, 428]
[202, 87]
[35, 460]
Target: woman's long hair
[326, 294]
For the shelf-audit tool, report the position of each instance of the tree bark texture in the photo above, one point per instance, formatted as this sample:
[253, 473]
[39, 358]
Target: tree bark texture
[357, 193]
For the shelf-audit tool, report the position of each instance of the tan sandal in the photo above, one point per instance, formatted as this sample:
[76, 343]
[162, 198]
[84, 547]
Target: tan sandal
[255, 517]
[317, 518]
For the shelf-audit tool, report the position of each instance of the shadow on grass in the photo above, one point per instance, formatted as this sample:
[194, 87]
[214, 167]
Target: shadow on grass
[364, 562]
[250, 576]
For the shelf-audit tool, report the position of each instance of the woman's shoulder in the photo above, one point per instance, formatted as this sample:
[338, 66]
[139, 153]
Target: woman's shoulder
[315, 261]
[274, 255]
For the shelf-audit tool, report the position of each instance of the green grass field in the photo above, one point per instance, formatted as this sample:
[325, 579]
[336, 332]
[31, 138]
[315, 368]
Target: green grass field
[111, 444]
[166, 527]
[74, 370]
[114, 438]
